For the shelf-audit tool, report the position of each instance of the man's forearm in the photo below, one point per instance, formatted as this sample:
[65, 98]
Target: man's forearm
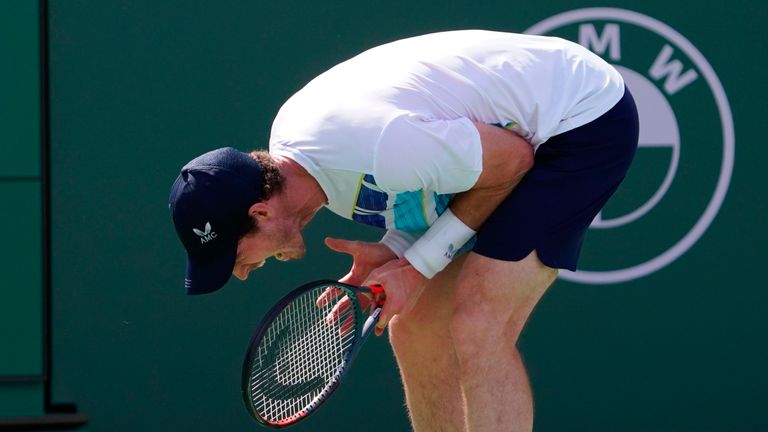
[506, 159]
[474, 206]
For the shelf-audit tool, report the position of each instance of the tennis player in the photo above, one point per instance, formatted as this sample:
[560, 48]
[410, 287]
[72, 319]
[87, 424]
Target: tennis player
[484, 155]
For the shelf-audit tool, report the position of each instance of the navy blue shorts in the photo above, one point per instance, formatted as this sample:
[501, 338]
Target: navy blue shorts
[573, 176]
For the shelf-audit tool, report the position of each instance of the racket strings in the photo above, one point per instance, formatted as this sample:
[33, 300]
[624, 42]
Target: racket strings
[299, 357]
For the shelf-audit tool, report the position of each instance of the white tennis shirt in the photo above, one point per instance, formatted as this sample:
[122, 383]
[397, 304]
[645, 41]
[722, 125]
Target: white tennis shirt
[389, 136]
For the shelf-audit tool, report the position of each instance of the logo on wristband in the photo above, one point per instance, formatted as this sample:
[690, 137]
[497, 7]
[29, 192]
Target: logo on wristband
[450, 252]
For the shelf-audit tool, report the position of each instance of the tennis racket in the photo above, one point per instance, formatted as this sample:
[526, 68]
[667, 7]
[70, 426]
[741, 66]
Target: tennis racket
[304, 347]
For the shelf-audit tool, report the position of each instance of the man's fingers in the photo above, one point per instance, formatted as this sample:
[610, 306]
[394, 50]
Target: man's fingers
[342, 310]
[328, 296]
[379, 330]
[346, 326]
[384, 318]
[351, 279]
[364, 298]
[339, 309]
[343, 246]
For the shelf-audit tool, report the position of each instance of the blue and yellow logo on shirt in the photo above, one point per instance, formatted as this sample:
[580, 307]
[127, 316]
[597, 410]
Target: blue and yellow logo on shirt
[405, 211]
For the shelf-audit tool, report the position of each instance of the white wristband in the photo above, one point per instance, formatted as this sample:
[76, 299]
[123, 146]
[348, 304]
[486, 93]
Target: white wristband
[397, 241]
[436, 248]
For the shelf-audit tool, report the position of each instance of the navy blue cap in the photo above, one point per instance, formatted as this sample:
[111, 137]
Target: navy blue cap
[209, 205]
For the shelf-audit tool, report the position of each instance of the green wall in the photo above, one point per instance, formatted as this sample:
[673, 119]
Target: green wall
[21, 308]
[140, 87]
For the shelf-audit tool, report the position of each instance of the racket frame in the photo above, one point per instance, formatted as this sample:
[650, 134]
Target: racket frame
[376, 292]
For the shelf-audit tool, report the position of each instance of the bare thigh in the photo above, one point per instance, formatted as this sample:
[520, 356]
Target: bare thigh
[422, 344]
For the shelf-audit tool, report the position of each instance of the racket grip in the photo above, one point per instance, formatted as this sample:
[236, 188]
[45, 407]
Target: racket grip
[378, 294]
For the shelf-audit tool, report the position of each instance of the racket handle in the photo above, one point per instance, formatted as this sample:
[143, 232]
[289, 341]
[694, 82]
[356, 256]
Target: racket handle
[370, 322]
[378, 294]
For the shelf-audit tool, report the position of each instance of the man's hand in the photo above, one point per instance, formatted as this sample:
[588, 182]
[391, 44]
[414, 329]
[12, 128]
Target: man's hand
[402, 284]
[366, 257]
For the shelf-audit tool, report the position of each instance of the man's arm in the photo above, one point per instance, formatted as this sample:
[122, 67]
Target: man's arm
[506, 159]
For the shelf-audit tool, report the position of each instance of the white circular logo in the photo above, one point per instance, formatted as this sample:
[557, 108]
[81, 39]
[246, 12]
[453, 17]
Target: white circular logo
[684, 162]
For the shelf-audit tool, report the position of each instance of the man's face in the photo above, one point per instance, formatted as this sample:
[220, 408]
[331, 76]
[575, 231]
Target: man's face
[279, 238]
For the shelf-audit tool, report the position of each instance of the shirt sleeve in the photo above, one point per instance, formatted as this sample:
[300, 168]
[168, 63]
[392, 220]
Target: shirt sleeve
[414, 153]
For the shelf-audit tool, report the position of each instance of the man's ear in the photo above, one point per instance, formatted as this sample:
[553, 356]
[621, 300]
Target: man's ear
[261, 211]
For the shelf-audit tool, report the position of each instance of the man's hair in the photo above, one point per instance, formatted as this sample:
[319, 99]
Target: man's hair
[273, 184]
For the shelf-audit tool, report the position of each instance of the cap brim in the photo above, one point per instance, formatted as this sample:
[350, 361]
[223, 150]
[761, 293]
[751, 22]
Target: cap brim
[205, 275]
